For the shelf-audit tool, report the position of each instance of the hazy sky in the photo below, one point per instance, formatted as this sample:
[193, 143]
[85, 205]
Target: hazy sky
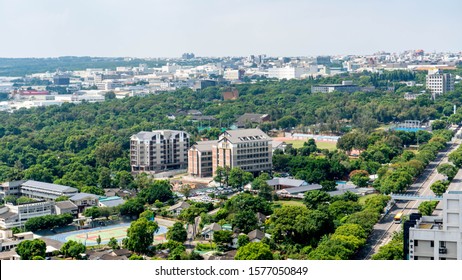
[168, 28]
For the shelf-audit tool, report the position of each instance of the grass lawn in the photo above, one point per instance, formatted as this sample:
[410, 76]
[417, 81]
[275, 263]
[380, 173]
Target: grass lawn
[289, 202]
[321, 145]
[362, 199]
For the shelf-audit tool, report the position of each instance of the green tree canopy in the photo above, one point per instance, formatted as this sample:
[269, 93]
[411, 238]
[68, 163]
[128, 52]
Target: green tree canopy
[438, 188]
[28, 249]
[140, 235]
[73, 249]
[254, 251]
[177, 232]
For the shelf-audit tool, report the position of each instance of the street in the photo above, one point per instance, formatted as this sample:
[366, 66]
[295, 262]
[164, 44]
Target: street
[384, 229]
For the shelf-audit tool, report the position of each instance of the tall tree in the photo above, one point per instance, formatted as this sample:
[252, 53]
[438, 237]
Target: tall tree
[177, 233]
[254, 251]
[29, 249]
[140, 235]
[313, 199]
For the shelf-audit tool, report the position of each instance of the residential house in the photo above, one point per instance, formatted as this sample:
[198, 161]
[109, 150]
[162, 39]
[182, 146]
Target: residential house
[177, 208]
[248, 120]
[256, 235]
[208, 230]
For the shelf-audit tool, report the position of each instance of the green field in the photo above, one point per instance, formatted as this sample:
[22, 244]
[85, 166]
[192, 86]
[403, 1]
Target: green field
[321, 145]
[289, 202]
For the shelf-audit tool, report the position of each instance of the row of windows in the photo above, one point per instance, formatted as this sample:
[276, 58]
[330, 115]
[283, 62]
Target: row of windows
[432, 243]
[252, 144]
[263, 155]
[256, 167]
[251, 151]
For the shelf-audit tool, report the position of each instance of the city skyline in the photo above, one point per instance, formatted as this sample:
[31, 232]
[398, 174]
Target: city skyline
[143, 28]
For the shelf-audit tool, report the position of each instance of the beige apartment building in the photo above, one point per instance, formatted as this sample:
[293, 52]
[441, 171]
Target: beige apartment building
[249, 149]
[200, 159]
[159, 150]
[439, 238]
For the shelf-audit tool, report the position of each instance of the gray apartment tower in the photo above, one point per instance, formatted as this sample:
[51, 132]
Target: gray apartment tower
[159, 150]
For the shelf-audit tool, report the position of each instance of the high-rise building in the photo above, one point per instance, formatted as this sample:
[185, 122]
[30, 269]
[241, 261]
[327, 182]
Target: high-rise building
[61, 80]
[436, 237]
[439, 83]
[200, 159]
[249, 149]
[159, 150]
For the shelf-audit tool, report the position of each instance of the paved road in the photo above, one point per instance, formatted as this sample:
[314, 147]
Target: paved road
[384, 229]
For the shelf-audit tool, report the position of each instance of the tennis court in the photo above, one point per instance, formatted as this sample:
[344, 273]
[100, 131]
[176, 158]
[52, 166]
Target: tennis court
[89, 236]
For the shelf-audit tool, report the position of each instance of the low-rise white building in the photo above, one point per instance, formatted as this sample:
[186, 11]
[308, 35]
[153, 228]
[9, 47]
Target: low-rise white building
[46, 191]
[439, 238]
[17, 215]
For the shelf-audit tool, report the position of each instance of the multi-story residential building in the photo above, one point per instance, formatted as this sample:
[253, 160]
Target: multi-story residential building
[17, 215]
[159, 150]
[200, 159]
[439, 83]
[437, 238]
[249, 149]
[45, 191]
[345, 86]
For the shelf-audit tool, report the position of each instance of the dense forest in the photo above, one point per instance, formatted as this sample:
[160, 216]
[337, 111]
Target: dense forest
[75, 144]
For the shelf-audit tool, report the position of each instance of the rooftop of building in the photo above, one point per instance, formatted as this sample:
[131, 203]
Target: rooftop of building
[245, 135]
[80, 196]
[48, 186]
[251, 117]
[286, 182]
[148, 135]
[205, 145]
[179, 205]
[67, 204]
[301, 189]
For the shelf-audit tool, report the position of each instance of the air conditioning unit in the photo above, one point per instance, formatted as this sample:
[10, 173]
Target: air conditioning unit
[443, 250]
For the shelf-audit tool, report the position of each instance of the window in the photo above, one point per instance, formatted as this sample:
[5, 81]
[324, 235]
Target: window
[416, 257]
[416, 243]
[432, 243]
[442, 244]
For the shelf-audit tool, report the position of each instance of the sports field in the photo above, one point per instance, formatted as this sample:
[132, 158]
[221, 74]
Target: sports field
[320, 144]
[89, 236]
